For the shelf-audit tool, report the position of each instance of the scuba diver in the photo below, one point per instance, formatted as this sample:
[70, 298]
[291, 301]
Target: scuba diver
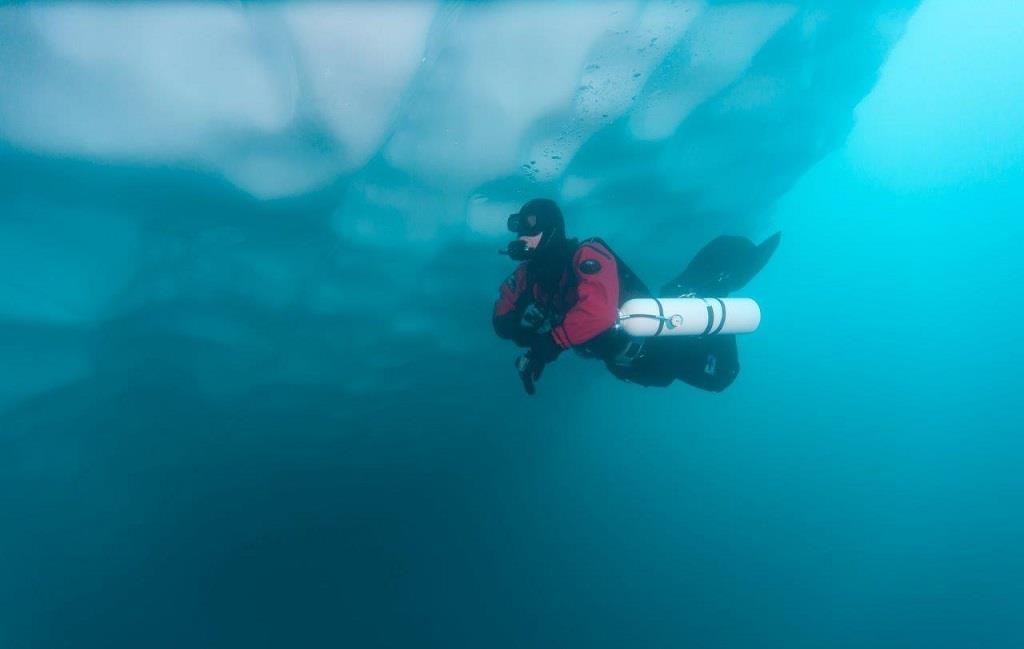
[566, 294]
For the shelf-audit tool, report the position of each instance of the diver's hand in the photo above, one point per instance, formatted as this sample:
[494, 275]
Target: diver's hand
[529, 368]
[531, 364]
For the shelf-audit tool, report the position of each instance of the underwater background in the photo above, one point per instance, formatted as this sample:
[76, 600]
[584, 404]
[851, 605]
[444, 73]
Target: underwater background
[252, 397]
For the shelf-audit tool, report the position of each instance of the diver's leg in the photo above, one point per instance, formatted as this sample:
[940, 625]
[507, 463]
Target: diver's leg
[710, 363]
[723, 266]
[653, 368]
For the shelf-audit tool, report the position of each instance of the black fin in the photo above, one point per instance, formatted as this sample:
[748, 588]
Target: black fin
[723, 266]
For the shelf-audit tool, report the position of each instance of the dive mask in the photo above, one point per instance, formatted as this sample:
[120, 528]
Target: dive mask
[524, 224]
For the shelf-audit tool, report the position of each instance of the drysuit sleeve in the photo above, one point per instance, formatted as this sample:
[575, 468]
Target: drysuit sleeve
[597, 305]
[507, 308]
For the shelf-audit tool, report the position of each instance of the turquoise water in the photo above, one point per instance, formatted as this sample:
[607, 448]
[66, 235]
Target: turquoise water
[251, 414]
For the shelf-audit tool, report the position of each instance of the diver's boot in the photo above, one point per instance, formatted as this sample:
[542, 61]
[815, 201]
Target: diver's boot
[722, 266]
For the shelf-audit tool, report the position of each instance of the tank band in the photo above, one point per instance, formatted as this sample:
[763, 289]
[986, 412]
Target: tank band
[661, 317]
[721, 323]
[711, 318]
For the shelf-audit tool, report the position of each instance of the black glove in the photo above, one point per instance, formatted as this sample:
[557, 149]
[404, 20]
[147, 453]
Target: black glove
[531, 364]
[530, 321]
[544, 348]
[530, 369]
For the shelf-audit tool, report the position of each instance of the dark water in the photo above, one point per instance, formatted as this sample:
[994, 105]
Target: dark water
[238, 420]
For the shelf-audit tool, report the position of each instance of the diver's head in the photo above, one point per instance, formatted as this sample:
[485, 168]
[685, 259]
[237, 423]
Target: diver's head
[540, 230]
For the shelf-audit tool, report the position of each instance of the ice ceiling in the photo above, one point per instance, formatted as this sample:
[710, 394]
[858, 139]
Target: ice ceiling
[231, 174]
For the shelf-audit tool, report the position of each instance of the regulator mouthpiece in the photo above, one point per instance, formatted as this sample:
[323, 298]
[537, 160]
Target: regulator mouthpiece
[517, 250]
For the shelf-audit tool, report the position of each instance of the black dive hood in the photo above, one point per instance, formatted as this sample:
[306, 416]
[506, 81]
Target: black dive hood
[538, 216]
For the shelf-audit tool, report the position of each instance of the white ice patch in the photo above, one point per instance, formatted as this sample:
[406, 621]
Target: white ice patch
[137, 81]
[615, 72]
[496, 69]
[283, 99]
[358, 58]
[242, 92]
[716, 51]
[280, 166]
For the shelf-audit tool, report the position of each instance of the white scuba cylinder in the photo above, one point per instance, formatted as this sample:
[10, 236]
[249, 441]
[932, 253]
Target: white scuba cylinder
[689, 316]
